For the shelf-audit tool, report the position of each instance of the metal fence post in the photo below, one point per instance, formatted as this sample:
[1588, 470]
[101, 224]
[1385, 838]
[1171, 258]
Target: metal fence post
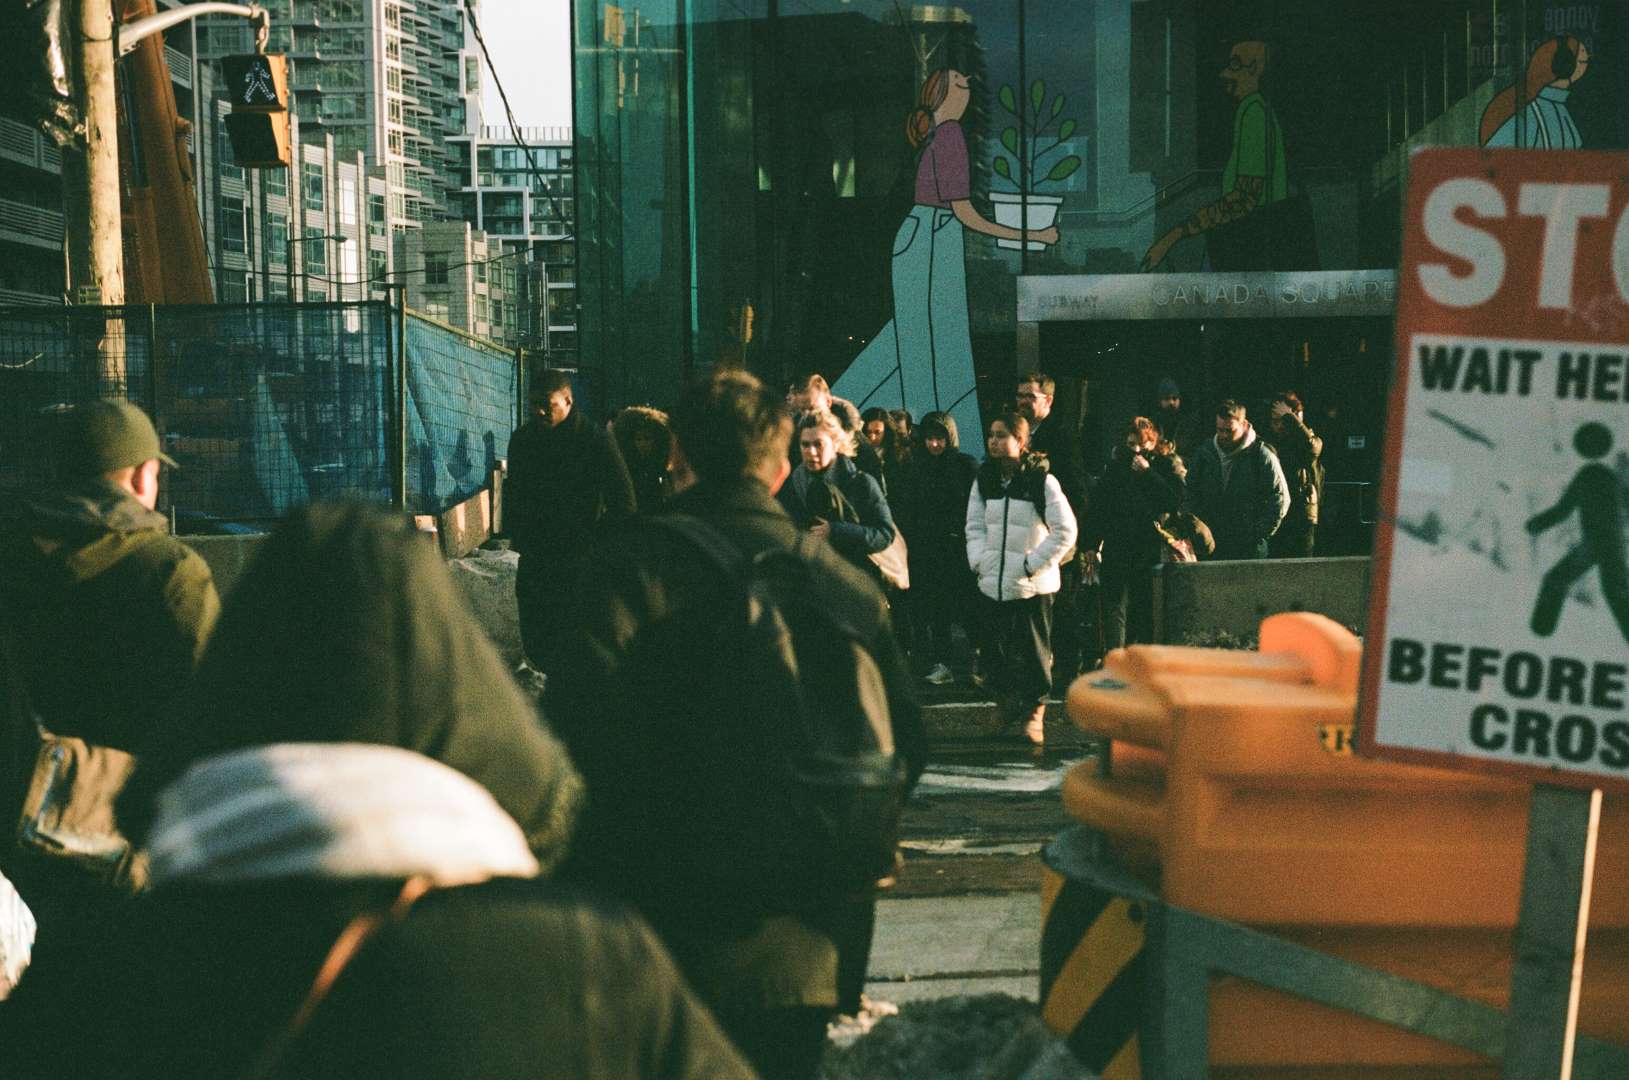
[520, 386]
[153, 409]
[400, 478]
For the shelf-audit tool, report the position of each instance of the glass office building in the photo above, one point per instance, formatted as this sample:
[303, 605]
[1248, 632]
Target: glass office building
[745, 186]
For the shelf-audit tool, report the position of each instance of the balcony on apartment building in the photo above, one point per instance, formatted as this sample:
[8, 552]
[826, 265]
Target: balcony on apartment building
[180, 65]
[35, 226]
[21, 143]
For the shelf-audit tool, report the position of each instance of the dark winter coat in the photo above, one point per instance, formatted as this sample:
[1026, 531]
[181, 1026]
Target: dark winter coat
[1053, 438]
[745, 946]
[1125, 507]
[1246, 508]
[110, 611]
[563, 480]
[938, 522]
[1299, 450]
[495, 981]
[347, 627]
[807, 496]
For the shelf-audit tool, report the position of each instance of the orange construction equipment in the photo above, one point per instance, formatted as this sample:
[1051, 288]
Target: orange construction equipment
[1232, 789]
[166, 261]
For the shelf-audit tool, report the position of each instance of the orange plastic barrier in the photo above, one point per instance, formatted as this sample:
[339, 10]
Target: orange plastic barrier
[1233, 788]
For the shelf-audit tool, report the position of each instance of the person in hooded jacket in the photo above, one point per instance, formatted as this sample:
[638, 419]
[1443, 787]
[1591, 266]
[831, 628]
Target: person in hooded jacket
[941, 477]
[831, 498]
[343, 824]
[107, 614]
[646, 444]
[1019, 525]
[1120, 535]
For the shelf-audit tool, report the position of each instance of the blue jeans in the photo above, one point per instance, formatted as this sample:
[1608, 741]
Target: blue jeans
[922, 360]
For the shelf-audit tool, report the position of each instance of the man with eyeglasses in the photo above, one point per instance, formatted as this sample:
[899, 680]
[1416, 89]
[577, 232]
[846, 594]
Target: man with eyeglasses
[1256, 172]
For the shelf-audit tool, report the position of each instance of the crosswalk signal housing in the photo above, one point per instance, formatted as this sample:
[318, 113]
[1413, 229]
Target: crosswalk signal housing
[258, 124]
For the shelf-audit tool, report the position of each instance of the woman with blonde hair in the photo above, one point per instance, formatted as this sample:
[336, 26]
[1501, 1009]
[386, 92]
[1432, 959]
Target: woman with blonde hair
[828, 495]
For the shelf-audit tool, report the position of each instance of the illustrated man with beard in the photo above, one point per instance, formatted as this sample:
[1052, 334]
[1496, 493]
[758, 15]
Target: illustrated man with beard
[1256, 173]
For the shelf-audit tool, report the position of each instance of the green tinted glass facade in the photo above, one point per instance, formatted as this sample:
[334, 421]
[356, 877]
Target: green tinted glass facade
[746, 183]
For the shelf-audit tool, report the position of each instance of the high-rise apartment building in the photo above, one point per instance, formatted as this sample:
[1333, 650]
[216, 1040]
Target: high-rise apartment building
[526, 206]
[390, 79]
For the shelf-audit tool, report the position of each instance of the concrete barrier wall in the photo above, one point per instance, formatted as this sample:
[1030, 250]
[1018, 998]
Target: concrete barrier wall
[1209, 597]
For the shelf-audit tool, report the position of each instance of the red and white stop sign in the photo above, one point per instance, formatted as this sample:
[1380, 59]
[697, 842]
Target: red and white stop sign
[1498, 630]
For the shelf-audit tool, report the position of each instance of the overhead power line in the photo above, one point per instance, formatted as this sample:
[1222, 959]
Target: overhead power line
[514, 128]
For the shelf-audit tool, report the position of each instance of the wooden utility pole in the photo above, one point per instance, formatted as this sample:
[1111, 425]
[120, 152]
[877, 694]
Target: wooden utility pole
[90, 180]
[90, 188]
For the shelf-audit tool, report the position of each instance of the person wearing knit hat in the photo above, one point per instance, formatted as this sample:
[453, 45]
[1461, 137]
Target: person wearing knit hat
[1175, 426]
[107, 611]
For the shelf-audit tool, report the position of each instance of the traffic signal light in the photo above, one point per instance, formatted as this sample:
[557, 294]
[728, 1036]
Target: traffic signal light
[257, 86]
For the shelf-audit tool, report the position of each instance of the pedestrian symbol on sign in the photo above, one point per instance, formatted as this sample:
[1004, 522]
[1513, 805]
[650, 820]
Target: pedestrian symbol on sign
[257, 86]
[1594, 493]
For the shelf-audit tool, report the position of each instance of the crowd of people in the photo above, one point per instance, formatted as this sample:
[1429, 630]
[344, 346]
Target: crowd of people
[1022, 572]
[323, 831]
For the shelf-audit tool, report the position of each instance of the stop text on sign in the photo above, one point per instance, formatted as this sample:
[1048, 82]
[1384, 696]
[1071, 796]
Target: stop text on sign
[1456, 217]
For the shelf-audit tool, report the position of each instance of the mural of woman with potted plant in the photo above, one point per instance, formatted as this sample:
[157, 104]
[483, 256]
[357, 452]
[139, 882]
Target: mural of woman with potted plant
[1033, 154]
[922, 360]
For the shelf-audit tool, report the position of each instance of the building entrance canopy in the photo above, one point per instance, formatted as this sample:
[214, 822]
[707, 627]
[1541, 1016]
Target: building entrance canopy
[1267, 294]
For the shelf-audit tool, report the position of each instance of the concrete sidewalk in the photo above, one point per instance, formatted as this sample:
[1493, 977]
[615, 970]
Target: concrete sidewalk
[940, 946]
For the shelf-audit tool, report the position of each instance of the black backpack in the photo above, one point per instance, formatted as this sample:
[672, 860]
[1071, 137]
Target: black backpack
[803, 788]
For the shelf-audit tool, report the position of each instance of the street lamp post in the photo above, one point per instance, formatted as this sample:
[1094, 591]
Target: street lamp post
[288, 269]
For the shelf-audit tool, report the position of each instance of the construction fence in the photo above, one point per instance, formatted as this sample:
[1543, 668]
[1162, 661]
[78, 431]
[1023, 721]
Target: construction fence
[266, 407]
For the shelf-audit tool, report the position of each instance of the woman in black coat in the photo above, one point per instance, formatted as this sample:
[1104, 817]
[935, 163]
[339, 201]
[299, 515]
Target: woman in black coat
[942, 586]
[829, 496]
[1143, 481]
[357, 784]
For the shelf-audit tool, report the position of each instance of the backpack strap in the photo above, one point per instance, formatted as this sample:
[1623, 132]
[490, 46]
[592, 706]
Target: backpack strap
[357, 933]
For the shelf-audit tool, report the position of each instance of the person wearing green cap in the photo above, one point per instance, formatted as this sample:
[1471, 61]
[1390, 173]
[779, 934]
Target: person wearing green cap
[108, 612]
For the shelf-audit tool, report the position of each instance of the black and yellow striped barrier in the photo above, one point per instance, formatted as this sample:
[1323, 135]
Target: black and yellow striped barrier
[1092, 972]
[1126, 978]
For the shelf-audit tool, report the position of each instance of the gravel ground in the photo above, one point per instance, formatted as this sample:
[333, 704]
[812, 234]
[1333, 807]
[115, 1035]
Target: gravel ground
[990, 1037]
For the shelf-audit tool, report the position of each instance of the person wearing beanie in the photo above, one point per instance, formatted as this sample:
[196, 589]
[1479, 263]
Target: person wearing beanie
[1176, 425]
[106, 611]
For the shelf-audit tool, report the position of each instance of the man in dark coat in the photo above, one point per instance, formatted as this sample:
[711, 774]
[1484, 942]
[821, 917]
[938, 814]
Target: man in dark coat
[1051, 436]
[565, 477]
[1299, 449]
[1236, 486]
[773, 961]
[108, 614]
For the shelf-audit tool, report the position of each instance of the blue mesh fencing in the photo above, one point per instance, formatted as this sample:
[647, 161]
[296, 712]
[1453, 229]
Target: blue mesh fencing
[461, 402]
[264, 406]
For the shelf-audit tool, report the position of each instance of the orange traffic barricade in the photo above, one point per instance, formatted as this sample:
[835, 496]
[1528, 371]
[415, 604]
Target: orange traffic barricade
[1231, 791]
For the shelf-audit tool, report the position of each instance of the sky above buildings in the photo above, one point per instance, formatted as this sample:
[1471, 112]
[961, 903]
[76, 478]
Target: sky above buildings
[530, 42]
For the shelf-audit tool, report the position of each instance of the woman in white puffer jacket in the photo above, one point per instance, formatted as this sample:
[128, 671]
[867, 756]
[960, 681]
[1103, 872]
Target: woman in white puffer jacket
[1019, 527]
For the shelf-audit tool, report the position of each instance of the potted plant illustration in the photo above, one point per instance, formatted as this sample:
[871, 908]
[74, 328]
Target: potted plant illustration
[1030, 160]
